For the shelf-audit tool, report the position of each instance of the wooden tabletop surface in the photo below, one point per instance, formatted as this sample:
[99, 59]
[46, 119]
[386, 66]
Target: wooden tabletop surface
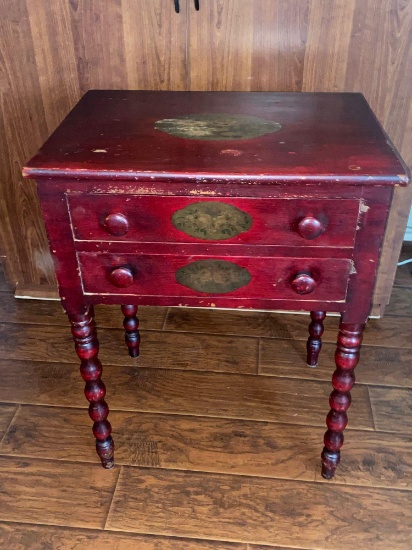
[217, 136]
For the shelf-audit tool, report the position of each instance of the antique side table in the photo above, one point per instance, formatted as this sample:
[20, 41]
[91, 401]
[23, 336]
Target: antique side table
[260, 201]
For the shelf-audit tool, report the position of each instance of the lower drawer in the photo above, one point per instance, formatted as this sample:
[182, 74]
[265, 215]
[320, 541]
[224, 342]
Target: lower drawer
[196, 276]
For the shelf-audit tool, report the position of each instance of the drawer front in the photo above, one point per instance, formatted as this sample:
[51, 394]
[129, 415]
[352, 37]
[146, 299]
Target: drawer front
[196, 276]
[294, 222]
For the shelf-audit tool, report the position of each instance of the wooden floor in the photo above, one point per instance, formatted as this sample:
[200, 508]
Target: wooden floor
[218, 429]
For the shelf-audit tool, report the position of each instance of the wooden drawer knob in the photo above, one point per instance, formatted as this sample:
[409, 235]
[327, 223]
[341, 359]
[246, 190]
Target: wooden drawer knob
[310, 228]
[121, 277]
[116, 224]
[303, 283]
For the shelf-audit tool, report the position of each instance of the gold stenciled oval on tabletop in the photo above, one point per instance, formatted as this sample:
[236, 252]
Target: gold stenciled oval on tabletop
[217, 126]
[213, 276]
[214, 221]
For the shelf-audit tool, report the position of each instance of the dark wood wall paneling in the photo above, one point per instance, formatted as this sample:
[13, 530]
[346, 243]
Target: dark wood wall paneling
[52, 52]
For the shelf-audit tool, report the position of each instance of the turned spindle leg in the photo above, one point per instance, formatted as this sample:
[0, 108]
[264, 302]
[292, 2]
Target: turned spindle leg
[314, 344]
[346, 359]
[87, 348]
[131, 326]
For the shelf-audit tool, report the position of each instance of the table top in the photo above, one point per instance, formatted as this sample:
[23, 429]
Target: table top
[221, 136]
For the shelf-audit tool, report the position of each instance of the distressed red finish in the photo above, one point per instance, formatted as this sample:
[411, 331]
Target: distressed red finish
[311, 228]
[314, 344]
[271, 277]
[87, 348]
[297, 222]
[115, 223]
[131, 327]
[346, 358]
[323, 137]
[292, 219]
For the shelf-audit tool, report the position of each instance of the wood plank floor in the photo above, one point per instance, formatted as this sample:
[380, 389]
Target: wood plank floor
[218, 429]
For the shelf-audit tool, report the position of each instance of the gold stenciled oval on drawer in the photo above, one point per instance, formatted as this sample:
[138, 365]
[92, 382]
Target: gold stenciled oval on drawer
[213, 221]
[232, 281]
[213, 276]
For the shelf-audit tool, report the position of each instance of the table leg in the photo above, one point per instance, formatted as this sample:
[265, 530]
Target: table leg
[131, 326]
[87, 348]
[314, 344]
[346, 359]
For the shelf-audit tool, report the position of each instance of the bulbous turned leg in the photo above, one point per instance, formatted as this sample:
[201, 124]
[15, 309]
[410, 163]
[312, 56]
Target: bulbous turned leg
[131, 326]
[87, 348]
[346, 359]
[314, 344]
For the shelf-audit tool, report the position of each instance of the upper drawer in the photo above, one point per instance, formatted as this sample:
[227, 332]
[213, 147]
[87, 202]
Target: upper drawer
[293, 222]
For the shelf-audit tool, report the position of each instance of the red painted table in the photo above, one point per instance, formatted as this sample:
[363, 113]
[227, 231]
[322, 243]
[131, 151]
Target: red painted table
[232, 200]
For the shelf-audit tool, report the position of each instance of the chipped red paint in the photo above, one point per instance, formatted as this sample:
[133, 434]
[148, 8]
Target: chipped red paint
[328, 134]
[318, 192]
